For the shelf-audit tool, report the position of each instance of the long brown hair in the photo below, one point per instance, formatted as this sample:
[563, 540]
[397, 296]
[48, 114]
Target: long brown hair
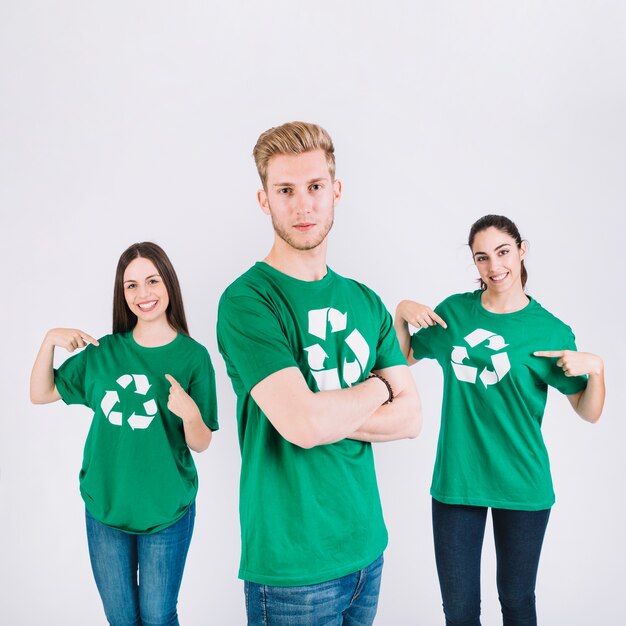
[504, 225]
[123, 319]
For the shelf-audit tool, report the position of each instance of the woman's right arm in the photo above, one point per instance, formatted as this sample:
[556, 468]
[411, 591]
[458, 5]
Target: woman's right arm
[42, 387]
[418, 315]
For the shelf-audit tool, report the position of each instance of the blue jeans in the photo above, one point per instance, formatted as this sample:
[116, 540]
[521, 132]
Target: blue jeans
[159, 558]
[349, 601]
[458, 532]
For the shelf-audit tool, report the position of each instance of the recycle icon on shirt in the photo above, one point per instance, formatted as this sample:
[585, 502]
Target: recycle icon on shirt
[327, 378]
[499, 360]
[111, 402]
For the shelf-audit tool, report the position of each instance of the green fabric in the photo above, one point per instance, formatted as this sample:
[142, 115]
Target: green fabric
[307, 516]
[491, 451]
[138, 474]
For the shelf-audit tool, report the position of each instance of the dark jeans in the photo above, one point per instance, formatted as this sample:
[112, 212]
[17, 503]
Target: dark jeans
[458, 532]
[348, 601]
[119, 559]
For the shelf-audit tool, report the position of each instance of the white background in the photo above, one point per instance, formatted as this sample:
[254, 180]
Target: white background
[131, 121]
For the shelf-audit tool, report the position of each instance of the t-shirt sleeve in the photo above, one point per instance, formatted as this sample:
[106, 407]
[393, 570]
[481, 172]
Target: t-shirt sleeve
[69, 378]
[202, 390]
[388, 352]
[251, 339]
[424, 340]
[422, 343]
[552, 374]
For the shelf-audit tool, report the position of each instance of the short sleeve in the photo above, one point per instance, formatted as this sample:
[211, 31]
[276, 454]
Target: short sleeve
[388, 352]
[202, 390]
[424, 342]
[69, 378]
[251, 339]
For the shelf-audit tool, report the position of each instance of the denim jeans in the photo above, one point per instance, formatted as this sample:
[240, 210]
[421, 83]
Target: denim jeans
[139, 576]
[458, 532]
[348, 601]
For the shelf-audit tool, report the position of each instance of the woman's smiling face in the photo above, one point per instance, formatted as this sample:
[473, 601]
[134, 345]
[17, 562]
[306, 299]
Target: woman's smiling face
[145, 291]
[498, 259]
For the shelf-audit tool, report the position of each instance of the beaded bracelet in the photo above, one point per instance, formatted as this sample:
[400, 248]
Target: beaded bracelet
[389, 389]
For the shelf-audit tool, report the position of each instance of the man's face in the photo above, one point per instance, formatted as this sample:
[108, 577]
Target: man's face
[300, 198]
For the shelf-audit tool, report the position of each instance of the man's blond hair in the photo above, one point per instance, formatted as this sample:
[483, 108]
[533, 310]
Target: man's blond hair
[292, 138]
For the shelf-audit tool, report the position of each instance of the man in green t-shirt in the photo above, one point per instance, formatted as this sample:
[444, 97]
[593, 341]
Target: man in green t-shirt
[315, 364]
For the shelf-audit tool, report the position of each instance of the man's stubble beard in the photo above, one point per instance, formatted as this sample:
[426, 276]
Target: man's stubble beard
[307, 245]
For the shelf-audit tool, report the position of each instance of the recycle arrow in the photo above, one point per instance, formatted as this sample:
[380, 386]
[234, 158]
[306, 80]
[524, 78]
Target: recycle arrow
[316, 355]
[501, 365]
[352, 370]
[326, 379]
[111, 399]
[500, 361]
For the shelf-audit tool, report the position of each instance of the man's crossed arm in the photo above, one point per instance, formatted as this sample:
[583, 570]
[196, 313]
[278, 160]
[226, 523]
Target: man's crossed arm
[307, 418]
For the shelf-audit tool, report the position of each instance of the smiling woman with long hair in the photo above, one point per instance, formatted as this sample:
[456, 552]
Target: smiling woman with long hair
[152, 390]
[499, 350]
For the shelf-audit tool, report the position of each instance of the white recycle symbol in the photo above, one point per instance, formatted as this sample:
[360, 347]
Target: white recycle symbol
[327, 379]
[499, 360]
[111, 400]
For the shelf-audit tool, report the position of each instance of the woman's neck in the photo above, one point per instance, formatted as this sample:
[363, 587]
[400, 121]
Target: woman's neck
[153, 335]
[505, 302]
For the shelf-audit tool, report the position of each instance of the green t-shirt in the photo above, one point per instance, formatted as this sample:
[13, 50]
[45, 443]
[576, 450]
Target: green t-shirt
[307, 515]
[491, 451]
[138, 474]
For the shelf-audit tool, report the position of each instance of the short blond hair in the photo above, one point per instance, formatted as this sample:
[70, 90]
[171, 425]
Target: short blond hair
[292, 138]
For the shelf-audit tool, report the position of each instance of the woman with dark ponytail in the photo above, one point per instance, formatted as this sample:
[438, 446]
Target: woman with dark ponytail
[499, 350]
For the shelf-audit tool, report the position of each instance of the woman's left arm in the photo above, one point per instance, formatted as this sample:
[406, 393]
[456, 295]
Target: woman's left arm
[589, 402]
[197, 433]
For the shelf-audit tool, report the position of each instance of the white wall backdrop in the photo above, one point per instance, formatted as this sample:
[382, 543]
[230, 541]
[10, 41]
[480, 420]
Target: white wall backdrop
[131, 121]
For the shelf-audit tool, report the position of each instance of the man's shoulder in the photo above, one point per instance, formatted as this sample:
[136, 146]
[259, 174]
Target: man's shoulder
[248, 284]
[253, 293]
[355, 286]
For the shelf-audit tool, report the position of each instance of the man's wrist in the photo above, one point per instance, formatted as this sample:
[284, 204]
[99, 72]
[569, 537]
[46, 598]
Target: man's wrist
[387, 385]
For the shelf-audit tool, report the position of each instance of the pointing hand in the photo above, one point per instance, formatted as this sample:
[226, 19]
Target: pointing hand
[574, 363]
[180, 402]
[419, 315]
[69, 338]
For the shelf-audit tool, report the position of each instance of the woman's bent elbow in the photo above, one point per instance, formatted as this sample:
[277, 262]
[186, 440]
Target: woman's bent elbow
[592, 419]
[39, 399]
